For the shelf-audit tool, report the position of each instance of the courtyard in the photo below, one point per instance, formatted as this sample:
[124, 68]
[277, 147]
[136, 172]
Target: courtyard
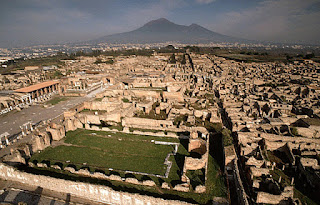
[110, 151]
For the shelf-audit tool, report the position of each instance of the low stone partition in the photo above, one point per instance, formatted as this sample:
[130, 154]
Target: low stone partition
[145, 123]
[158, 134]
[136, 132]
[93, 192]
[266, 198]
[73, 94]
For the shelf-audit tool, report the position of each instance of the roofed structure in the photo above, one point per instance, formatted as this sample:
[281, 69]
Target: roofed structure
[36, 87]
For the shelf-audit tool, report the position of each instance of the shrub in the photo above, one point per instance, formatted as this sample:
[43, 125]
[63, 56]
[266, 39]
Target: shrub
[227, 138]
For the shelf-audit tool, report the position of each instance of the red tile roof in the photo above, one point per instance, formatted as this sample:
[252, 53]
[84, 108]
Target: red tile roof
[36, 87]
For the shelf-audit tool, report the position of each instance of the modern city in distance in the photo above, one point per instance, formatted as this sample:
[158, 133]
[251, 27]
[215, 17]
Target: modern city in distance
[160, 102]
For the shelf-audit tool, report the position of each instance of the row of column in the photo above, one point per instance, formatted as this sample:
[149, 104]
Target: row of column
[4, 139]
[43, 92]
[26, 129]
[26, 99]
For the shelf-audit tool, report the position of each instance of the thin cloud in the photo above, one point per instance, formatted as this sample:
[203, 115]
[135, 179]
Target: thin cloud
[205, 1]
[274, 20]
[72, 20]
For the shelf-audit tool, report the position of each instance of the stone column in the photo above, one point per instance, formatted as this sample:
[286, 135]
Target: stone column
[7, 141]
[31, 128]
[22, 131]
[26, 128]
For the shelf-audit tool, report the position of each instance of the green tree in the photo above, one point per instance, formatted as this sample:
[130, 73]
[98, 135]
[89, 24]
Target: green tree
[309, 56]
[172, 59]
[96, 53]
[294, 131]
[183, 61]
[98, 61]
[109, 61]
[57, 74]
[227, 138]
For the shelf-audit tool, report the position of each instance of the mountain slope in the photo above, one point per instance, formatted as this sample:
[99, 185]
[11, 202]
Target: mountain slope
[162, 30]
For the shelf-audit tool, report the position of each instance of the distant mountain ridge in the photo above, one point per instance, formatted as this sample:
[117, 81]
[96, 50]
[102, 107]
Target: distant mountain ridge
[163, 30]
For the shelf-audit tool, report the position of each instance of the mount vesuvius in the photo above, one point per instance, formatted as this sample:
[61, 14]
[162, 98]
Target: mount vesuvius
[162, 30]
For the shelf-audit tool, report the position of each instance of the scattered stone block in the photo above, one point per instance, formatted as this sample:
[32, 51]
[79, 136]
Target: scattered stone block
[30, 164]
[132, 180]
[149, 183]
[56, 167]
[42, 165]
[182, 187]
[100, 175]
[165, 185]
[84, 172]
[70, 169]
[115, 177]
[200, 189]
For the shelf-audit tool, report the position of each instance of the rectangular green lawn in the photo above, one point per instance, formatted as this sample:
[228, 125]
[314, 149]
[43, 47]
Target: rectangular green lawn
[103, 150]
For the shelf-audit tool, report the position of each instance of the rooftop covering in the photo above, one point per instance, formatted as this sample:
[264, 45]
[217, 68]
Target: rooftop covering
[36, 87]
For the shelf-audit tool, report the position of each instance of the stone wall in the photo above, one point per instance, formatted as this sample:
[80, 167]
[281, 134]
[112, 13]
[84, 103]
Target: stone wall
[266, 198]
[241, 194]
[142, 84]
[148, 94]
[84, 190]
[57, 131]
[106, 106]
[147, 123]
[173, 96]
[72, 94]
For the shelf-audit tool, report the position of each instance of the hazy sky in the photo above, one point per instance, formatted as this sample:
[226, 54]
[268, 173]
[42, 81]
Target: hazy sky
[50, 21]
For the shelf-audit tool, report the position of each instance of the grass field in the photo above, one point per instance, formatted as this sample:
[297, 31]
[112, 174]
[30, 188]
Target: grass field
[138, 146]
[103, 150]
[56, 100]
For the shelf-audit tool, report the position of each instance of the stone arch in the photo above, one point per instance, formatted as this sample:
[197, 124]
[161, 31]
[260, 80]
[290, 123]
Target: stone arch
[60, 164]
[72, 166]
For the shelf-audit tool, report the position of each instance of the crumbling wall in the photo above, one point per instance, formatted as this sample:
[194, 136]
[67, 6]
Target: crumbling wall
[72, 124]
[266, 198]
[148, 94]
[308, 132]
[57, 131]
[198, 146]
[147, 123]
[195, 163]
[106, 106]
[84, 190]
[173, 96]
[14, 158]
[40, 142]
[115, 117]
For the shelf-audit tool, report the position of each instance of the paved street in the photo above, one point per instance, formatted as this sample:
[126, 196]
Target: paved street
[12, 121]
